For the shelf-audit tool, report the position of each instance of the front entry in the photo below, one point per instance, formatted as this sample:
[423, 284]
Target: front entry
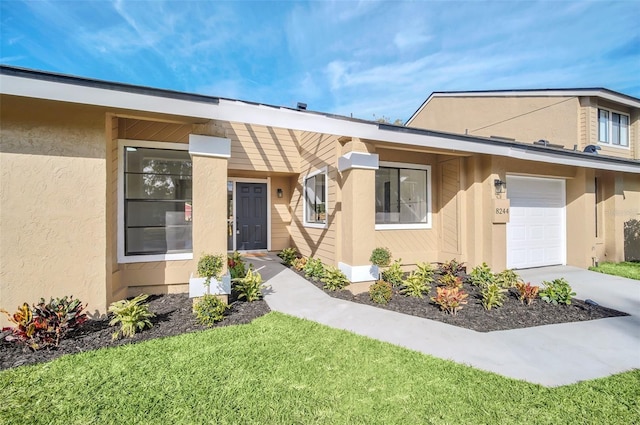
[251, 213]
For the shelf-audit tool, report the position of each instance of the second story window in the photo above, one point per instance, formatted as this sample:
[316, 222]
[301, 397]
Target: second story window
[613, 128]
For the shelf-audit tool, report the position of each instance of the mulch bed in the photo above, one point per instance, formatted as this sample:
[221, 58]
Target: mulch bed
[511, 315]
[173, 317]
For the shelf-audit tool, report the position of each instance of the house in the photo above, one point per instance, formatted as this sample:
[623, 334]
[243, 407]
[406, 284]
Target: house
[595, 119]
[110, 190]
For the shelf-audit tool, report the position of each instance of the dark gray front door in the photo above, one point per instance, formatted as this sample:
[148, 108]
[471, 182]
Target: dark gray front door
[251, 209]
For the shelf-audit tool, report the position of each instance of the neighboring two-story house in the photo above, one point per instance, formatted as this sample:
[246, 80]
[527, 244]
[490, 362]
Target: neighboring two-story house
[589, 119]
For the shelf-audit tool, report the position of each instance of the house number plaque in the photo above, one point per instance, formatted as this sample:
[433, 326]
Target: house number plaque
[500, 211]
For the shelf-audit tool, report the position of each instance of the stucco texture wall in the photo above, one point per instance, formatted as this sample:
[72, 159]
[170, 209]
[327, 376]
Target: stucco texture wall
[52, 203]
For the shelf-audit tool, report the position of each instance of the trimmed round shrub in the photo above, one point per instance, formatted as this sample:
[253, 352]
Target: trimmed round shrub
[209, 310]
[380, 292]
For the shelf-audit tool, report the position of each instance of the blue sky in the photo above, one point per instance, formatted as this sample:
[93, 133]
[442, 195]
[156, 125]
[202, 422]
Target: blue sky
[369, 59]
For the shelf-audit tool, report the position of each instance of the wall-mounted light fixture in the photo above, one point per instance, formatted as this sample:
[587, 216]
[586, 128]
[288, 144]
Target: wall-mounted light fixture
[279, 192]
[500, 186]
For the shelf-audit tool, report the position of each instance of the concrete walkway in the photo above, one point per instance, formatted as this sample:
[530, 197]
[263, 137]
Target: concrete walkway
[549, 355]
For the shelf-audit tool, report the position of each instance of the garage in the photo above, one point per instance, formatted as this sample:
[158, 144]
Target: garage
[536, 233]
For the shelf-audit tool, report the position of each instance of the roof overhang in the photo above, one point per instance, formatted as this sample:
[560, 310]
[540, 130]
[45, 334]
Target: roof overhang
[530, 152]
[39, 85]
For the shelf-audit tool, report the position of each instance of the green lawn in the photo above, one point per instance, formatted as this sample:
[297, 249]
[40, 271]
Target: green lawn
[625, 269]
[283, 370]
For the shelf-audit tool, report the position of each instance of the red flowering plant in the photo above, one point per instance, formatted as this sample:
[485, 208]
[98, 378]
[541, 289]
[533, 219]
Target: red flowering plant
[44, 325]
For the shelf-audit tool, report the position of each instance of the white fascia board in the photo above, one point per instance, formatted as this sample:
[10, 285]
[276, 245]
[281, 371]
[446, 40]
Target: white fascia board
[539, 156]
[230, 110]
[50, 90]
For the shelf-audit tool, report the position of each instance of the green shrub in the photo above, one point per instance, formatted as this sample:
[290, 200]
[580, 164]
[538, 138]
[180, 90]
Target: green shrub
[288, 255]
[133, 315]
[209, 310]
[380, 292]
[527, 292]
[394, 274]
[425, 271]
[482, 276]
[334, 279]
[557, 292]
[210, 266]
[451, 267]
[380, 257]
[450, 281]
[450, 299]
[47, 323]
[236, 266]
[414, 286]
[314, 269]
[507, 278]
[250, 286]
[492, 296]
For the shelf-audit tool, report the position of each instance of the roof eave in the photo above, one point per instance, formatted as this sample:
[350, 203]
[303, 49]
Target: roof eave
[141, 99]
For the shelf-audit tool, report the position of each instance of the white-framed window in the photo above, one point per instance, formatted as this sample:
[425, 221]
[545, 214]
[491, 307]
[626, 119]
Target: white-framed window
[403, 196]
[154, 201]
[315, 198]
[613, 128]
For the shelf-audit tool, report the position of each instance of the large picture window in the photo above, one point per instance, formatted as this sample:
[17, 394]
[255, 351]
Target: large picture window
[613, 128]
[402, 196]
[157, 201]
[315, 195]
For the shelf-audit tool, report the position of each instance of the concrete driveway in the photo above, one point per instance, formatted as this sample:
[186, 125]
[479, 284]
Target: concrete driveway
[549, 355]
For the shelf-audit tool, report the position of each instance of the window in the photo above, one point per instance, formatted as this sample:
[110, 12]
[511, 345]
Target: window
[157, 201]
[315, 195]
[613, 128]
[403, 196]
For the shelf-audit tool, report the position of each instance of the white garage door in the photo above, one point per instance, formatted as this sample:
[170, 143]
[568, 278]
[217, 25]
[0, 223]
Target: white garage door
[536, 228]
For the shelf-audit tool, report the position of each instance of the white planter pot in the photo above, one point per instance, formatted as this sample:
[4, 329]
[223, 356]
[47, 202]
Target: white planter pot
[197, 288]
[374, 271]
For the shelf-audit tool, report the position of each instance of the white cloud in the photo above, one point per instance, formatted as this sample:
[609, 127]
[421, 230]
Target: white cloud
[343, 57]
[405, 39]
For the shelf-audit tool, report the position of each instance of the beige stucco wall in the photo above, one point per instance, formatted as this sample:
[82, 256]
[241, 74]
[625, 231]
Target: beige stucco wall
[356, 224]
[52, 198]
[525, 119]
